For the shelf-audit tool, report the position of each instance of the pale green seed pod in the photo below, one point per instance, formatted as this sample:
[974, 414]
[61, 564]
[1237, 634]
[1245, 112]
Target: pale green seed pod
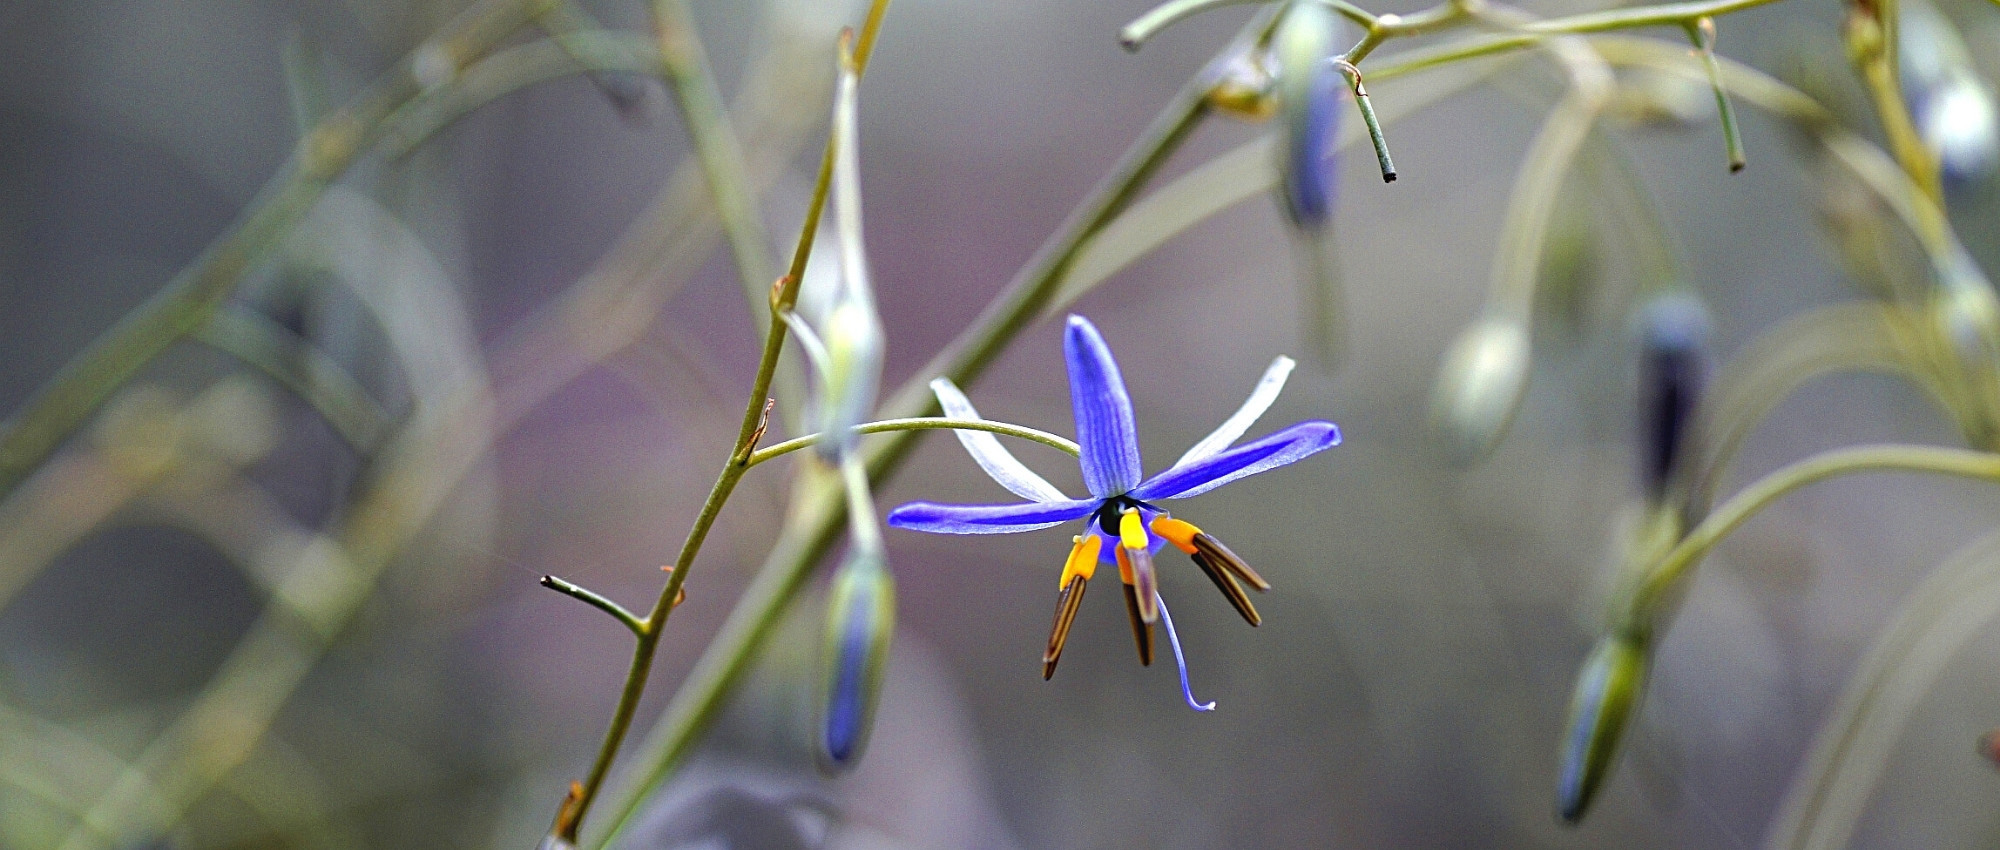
[1480, 386]
[860, 619]
[1607, 692]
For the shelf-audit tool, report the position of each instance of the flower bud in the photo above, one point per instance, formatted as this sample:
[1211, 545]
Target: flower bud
[1607, 691]
[853, 338]
[861, 617]
[1673, 368]
[1480, 386]
[1953, 108]
[1308, 91]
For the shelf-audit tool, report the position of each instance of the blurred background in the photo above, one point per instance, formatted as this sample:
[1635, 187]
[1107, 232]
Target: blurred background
[1409, 681]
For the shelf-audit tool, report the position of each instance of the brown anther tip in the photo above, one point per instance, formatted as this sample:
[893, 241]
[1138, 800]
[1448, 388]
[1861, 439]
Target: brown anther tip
[1736, 166]
[1388, 176]
[549, 581]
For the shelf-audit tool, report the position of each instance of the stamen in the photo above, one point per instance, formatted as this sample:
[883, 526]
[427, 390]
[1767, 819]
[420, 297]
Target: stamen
[1226, 559]
[1136, 546]
[1177, 532]
[1066, 605]
[1230, 589]
[1142, 630]
[1132, 530]
[1082, 558]
[1180, 661]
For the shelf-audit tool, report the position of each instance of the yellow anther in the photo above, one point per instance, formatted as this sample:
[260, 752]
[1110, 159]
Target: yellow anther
[1179, 533]
[1132, 530]
[1124, 565]
[1082, 559]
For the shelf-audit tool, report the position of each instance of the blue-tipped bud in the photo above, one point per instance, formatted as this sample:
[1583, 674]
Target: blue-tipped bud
[861, 617]
[1673, 369]
[1607, 691]
[1480, 386]
[1308, 93]
[1953, 108]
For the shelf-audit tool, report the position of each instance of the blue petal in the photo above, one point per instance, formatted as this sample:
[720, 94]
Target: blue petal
[1104, 428]
[987, 519]
[1288, 446]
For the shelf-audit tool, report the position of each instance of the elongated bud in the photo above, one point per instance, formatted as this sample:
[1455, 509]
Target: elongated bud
[1953, 108]
[861, 617]
[1607, 692]
[852, 330]
[1480, 385]
[1308, 93]
[1673, 369]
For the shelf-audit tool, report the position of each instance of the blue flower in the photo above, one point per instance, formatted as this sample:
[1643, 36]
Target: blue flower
[1125, 524]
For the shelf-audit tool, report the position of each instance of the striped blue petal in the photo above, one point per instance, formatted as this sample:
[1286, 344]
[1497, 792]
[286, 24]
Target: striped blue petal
[1104, 427]
[1287, 446]
[987, 519]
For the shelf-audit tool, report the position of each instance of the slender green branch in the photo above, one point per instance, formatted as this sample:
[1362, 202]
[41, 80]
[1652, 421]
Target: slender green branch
[1381, 28]
[756, 417]
[1517, 262]
[1754, 498]
[1531, 33]
[1369, 120]
[303, 369]
[889, 426]
[1167, 14]
[1701, 31]
[598, 601]
[686, 64]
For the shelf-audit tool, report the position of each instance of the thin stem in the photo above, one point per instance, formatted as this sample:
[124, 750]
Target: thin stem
[920, 423]
[1381, 28]
[598, 601]
[1369, 120]
[1517, 263]
[1754, 498]
[1531, 33]
[686, 65]
[304, 370]
[816, 520]
[1167, 14]
[1871, 40]
[1701, 31]
[861, 522]
[755, 417]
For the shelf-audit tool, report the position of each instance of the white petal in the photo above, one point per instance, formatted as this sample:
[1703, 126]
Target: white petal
[1232, 428]
[986, 450]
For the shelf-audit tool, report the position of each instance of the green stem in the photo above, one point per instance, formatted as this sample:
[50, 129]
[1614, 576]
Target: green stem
[889, 426]
[598, 601]
[1532, 33]
[1701, 32]
[755, 418]
[304, 370]
[716, 145]
[1754, 498]
[1167, 14]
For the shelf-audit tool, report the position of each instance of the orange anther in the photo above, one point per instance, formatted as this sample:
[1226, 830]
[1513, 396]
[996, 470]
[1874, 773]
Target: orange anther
[1179, 533]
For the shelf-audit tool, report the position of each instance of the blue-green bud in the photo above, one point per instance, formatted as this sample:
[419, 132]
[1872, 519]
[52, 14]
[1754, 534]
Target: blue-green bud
[1607, 692]
[861, 617]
